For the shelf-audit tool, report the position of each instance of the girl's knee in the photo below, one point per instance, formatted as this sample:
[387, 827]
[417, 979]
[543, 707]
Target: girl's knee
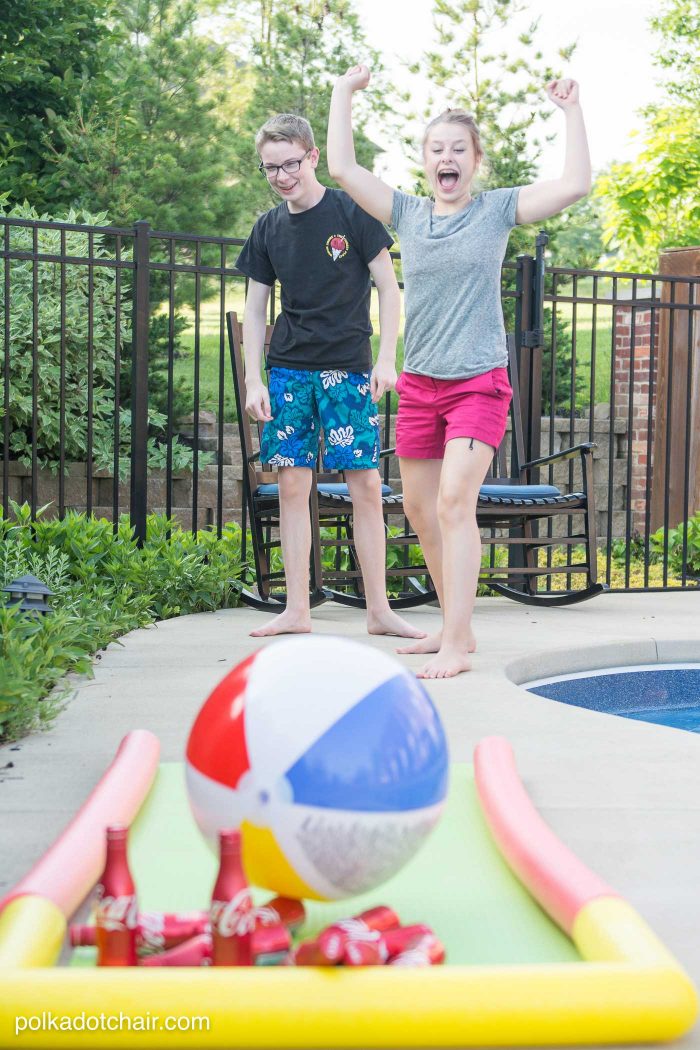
[456, 506]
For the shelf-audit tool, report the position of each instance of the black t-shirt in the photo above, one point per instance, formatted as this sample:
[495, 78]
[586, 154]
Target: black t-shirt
[320, 258]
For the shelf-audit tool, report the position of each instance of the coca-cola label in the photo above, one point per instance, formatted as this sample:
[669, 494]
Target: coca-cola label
[235, 917]
[116, 913]
[151, 929]
[266, 915]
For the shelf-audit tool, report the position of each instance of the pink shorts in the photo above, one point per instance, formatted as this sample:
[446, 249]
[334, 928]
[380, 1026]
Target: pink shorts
[433, 411]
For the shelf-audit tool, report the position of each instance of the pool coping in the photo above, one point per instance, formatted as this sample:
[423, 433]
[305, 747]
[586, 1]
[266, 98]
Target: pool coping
[547, 663]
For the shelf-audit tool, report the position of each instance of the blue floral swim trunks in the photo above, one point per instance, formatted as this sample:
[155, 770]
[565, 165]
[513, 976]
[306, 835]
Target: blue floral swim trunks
[304, 403]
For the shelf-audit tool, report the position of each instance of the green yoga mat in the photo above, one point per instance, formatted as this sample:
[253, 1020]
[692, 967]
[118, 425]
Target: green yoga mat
[457, 883]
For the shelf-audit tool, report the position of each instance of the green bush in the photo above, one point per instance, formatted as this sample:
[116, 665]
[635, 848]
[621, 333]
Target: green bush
[49, 319]
[45, 279]
[690, 530]
[104, 585]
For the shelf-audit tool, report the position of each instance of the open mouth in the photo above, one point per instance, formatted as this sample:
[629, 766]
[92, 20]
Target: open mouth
[448, 178]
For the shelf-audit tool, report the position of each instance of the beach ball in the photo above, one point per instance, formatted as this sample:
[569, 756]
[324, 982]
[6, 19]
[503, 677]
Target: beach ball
[329, 756]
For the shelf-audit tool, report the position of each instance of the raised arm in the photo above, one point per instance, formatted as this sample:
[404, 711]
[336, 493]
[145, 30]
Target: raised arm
[257, 399]
[544, 199]
[365, 188]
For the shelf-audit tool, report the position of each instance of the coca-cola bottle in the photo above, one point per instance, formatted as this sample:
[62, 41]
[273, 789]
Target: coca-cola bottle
[269, 946]
[363, 927]
[308, 953]
[286, 910]
[231, 914]
[196, 951]
[116, 911]
[386, 945]
[426, 951]
[156, 931]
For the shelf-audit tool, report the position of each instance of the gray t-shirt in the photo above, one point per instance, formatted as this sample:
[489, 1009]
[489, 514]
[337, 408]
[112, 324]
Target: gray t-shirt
[452, 283]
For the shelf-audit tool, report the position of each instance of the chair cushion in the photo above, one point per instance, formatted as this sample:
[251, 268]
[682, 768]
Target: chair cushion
[519, 491]
[326, 487]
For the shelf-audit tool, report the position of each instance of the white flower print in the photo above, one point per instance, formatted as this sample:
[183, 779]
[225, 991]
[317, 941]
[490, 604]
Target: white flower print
[284, 434]
[374, 420]
[280, 461]
[289, 397]
[363, 388]
[358, 453]
[332, 378]
[343, 436]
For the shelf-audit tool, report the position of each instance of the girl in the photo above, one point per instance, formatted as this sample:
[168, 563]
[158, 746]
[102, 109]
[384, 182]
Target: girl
[454, 390]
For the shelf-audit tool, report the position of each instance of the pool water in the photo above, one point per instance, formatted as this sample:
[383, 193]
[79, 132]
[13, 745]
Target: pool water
[667, 694]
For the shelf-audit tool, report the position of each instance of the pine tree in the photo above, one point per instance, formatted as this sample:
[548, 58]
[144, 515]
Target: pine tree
[299, 49]
[152, 145]
[503, 89]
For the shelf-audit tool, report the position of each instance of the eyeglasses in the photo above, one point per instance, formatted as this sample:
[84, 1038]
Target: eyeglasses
[290, 167]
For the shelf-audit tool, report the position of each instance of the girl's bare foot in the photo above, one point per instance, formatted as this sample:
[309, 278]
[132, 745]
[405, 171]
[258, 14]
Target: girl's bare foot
[445, 664]
[287, 622]
[389, 622]
[432, 644]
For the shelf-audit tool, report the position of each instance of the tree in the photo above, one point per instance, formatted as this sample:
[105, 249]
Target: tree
[52, 52]
[299, 49]
[678, 23]
[653, 202]
[579, 236]
[152, 145]
[505, 91]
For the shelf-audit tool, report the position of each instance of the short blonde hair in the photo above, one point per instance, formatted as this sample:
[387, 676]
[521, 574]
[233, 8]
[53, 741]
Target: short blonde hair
[458, 116]
[285, 127]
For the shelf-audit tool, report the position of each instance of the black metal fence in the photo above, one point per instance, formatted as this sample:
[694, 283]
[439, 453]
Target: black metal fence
[111, 335]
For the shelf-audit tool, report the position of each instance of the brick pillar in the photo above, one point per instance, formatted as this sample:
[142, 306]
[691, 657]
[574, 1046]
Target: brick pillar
[638, 446]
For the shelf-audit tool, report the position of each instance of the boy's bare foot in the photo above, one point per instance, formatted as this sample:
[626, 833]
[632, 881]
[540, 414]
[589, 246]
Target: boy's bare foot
[432, 644]
[445, 664]
[390, 622]
[286, 622]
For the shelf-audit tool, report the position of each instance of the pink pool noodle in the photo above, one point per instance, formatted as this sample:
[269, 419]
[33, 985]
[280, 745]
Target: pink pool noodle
[556, 878]
[72, 865]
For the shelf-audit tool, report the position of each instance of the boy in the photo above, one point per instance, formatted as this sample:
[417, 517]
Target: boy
[322, 249]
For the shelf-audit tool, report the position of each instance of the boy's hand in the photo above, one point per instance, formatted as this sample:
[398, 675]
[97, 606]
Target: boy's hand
[563, 93]
[356, 79]
[383, 378]
[257, 402]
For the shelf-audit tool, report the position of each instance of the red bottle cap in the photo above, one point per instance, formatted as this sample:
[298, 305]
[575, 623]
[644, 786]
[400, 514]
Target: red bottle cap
[117, 832]
[230, 840]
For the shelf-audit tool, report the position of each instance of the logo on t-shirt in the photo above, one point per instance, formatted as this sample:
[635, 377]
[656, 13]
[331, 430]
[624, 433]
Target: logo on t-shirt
[337, 246]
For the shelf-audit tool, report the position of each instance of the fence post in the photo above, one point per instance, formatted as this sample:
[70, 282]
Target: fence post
[139, 383]
[523, 321]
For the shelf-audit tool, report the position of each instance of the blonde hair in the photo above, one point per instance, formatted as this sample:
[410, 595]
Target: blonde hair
[285, 127]
[458, 116]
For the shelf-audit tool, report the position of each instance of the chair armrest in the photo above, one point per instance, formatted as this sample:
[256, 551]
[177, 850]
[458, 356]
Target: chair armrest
[584, 449]
[252, 457]
[386, 452]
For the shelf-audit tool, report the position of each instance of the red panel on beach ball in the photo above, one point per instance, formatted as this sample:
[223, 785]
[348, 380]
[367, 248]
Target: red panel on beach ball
[222, 717]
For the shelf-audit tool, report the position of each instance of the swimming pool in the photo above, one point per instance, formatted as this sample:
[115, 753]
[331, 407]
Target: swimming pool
[667, 694]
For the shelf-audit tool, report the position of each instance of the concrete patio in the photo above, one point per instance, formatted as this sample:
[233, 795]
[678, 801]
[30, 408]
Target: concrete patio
[624, 795]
